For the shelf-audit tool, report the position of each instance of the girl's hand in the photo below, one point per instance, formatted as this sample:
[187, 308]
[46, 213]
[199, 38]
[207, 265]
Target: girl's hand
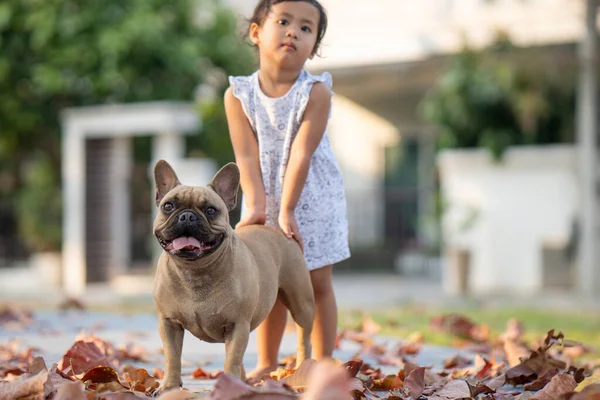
[289, 226]
[252, 217]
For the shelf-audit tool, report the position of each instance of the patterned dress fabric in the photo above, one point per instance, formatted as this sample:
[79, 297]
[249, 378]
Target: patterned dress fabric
[321, 209]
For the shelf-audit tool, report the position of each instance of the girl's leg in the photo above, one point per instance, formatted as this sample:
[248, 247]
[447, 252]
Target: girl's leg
[325, 326]
[268, 338]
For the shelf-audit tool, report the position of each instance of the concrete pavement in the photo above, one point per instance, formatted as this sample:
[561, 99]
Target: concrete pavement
[54, 333]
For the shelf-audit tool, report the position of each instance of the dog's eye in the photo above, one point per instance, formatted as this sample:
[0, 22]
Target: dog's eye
[168, 207]
[211, 211]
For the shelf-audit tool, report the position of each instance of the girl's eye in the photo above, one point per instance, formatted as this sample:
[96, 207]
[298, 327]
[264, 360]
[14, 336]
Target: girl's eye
[306, 29]
[211, 211]
[168, 207]
[283, 22]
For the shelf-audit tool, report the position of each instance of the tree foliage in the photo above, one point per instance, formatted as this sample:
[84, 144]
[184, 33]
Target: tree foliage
[64, 53]
[501, 96]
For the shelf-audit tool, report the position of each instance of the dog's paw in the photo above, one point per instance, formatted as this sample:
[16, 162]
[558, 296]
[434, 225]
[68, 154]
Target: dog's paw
[167, 387]
[176, 394]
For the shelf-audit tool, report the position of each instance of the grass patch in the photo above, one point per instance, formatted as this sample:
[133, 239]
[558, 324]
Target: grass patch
[403, 321]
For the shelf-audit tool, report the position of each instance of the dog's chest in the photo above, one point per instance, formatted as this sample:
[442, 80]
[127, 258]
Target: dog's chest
[206, 321]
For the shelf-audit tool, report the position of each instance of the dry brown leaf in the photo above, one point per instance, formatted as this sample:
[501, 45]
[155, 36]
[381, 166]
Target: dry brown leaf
[30, 387]
[415, 382]
[538, 363]
[559, 385]
[541, 381]
[280, 373]
[301, 377]
[353, 367]
[15, 318]
[456, 361]
[158, 373]
[514, 331]
[455, 389]
[288, 362]
[139, 380]
[460, 326]
[496, 383]
[589, 392]
[200, 373]
[329, 381]
[515, 353]
[83, 356]
[228, 387]
[369, 326]
[70, 391]
[389, 382]
[71, 303]
[132, 352]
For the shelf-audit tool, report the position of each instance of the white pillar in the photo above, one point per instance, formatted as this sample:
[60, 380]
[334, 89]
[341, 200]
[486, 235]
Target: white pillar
[587, 131]
[73, 177]
[120, 224]
[169, 147]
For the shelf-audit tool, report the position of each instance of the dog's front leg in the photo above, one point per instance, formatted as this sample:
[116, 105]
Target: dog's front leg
[236, 342]
[172, 339]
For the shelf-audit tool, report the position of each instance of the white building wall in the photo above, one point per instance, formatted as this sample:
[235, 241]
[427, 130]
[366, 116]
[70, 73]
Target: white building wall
[515, 207]
[359, 138]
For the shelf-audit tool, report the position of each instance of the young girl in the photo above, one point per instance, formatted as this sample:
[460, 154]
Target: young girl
[278, 125]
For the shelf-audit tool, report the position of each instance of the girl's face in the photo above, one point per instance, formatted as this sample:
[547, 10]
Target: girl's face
[288, 34]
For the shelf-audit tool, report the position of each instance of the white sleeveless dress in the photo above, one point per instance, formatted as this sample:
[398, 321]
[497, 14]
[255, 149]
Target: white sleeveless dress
[321, 209]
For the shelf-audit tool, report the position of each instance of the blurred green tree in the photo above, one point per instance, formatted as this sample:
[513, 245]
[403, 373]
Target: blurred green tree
[63, 53]
[502, 96]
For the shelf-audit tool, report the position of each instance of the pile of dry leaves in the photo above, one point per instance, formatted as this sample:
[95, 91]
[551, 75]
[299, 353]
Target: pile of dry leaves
[503, 368]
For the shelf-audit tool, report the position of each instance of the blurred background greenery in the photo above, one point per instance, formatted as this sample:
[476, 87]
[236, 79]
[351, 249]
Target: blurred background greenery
[497, 97]
[60, 53]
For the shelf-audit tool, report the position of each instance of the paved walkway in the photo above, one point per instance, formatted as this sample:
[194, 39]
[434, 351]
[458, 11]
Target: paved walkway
[55, 333]
[362, 291]
[352, 290]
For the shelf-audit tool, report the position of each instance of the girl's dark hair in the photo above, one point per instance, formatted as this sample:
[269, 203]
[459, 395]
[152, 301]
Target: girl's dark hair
[263, 8]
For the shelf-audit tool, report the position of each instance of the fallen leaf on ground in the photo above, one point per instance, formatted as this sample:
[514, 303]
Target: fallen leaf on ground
[71, 303]
[15, 318]
[86, 353]
[70, 391]
[228, 387]
[456, 361]
[415, 382]
[389, 382]
[559, 385]
[460, 326]
[29, 387]
[456, 389]
[328, 381]
[200, 373]
[515, 352]
[514, 331]
[369, 326]
[139, 380]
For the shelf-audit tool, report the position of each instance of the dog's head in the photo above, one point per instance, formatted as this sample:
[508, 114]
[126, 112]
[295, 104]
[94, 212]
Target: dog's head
[191, 221]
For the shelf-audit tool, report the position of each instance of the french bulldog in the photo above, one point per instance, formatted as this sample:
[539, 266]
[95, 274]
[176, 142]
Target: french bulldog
[217, 282]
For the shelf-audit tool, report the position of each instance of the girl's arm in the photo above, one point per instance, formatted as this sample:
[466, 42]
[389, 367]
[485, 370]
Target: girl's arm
[306, 142]
[245, 148]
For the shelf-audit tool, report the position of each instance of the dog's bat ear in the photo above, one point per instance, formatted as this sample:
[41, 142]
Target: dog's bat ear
[226, 183]
[165, 179]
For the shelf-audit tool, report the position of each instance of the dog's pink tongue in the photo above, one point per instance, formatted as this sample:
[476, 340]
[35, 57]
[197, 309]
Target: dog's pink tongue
[185, 241]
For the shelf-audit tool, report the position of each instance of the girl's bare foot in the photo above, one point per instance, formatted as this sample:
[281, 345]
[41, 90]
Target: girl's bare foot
[261, 371]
